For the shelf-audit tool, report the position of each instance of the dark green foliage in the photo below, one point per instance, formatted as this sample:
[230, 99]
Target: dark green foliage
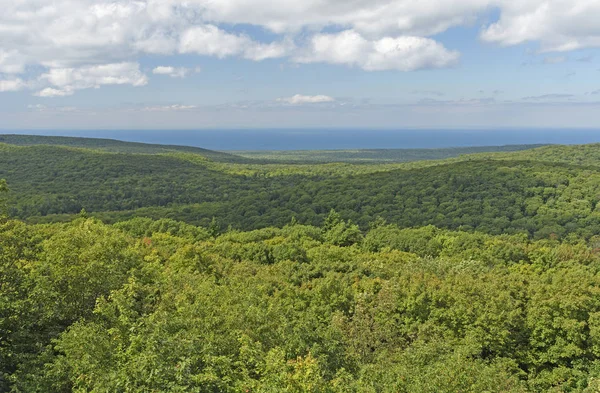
[146, 227]
[495, 196]
[3, 190]
[339, 232]
[115, 146]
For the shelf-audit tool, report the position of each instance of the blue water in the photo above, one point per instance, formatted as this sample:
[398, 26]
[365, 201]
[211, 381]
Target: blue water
[337, 139]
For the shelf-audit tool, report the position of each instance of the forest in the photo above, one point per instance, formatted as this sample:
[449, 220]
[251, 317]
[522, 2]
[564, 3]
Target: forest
[374, 155]
[551, 190]
[179, 271]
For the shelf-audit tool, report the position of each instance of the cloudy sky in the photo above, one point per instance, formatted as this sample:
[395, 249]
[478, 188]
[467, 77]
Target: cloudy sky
[299, 63]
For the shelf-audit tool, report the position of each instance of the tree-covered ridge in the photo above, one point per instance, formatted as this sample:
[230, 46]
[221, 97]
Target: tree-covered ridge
[115, 146]
[585, 155]
[376, 155]
[165, 306]
[308, 156]
[475, 192]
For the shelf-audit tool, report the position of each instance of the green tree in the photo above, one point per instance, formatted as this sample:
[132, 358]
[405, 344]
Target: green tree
[3, 190]
[214, 228]
[332, 220]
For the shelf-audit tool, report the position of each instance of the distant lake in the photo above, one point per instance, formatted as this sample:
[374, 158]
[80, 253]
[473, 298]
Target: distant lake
[312, 139]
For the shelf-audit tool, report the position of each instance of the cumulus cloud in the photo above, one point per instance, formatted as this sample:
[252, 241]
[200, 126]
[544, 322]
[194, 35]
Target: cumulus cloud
[369, 17]
[95, 76]
[559, 25]
[71, 37]
[12, 85]
[400, 53]
[11, 62]
[173, 72]
[67, 80]
[50, 92]
[300, 99]
[62, 82]
[210, 40]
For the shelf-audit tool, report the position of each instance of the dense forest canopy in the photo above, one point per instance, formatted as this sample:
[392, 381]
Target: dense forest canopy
[548, 191]
[115, 146]
[297, 156]
[175, 271]
[148, 305]
[375, 155]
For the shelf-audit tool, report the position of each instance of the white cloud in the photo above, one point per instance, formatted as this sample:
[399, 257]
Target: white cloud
[69, 34]
[299, 99]
[11, 62]
[400, 53]
[174, 72]
[374, 18]
[73, 39]
[12, 85]
[44, 108]
[63, 82]
[49, 92]
[37, 107]
[67, 80]
[559, 25]
[209, 40]
[169, 108]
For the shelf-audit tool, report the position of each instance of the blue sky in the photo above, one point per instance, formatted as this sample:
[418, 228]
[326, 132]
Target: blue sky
[83, 64]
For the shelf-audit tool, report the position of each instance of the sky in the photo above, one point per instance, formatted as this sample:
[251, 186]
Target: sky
[193, 64]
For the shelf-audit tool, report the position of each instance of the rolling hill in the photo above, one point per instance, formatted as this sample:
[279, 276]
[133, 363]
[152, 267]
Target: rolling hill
[541, 192]
[134, 268]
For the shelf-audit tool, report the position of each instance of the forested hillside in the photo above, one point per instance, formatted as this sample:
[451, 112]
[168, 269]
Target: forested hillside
[163, 306]
[549, 191]
[175, 271]
[114, 146]
[298, 156]
[376, 155]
